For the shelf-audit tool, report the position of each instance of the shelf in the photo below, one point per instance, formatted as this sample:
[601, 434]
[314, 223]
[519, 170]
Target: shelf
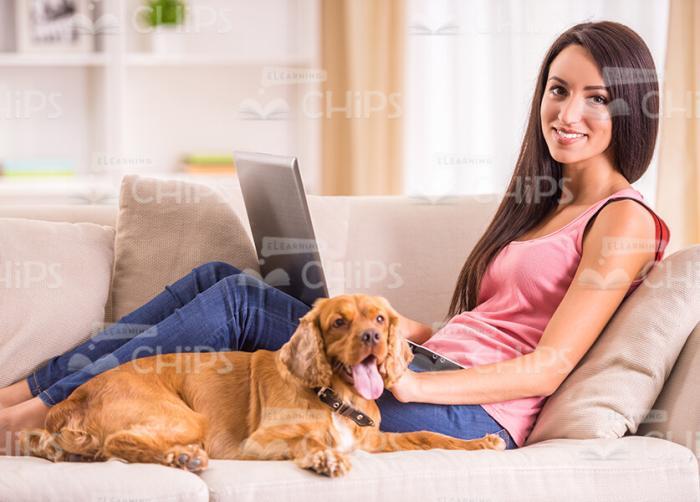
[145, 59]
[208, 59]
[95, 189]
[77, 59]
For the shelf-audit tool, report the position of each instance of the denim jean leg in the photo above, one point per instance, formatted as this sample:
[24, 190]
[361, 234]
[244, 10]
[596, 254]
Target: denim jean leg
[263, 316]
[465, 421]
[164, 304]
[239, 312]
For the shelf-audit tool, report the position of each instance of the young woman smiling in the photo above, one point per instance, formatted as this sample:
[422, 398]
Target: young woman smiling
[548, 268]
[535, 292]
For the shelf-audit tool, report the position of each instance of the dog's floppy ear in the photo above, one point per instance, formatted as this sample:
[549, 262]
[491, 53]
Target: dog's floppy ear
[399, 353]
[304, 355]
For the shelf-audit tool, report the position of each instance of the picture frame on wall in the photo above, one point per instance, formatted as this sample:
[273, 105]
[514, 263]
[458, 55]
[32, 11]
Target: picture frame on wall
[53, 26]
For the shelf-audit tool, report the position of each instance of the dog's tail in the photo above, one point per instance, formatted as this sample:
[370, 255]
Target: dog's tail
[65, 437]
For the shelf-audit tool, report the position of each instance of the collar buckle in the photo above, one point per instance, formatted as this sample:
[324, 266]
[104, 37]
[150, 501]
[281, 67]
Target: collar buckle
[328, 396]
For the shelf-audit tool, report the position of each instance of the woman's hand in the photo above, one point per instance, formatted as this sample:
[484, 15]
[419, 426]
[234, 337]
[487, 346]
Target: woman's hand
[406, 389]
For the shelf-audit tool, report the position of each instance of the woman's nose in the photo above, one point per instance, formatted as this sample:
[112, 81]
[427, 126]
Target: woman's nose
[571, 111]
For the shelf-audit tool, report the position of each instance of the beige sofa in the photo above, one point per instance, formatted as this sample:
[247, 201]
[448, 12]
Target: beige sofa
[403, 230]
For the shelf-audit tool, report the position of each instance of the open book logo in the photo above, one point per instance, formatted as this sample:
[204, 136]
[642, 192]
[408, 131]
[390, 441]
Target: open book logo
[80, 362]
[93, 196]
[107, 24]
[277, 277]
[618, 107]
[252, 109]
[445, 29]
[617, 278]
[432, 200]
[605, 452]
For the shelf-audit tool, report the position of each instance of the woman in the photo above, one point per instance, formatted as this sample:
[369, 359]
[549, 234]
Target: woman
[541, 268]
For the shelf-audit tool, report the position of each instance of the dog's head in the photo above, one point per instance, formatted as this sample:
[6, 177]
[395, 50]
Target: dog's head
[354, 336]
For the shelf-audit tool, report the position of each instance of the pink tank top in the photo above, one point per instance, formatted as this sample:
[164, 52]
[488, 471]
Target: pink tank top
[520, 290]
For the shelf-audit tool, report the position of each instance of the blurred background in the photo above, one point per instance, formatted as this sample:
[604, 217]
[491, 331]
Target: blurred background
[375, 97]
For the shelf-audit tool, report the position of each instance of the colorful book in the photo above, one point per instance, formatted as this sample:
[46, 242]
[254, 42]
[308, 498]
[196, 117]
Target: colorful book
[37, 167]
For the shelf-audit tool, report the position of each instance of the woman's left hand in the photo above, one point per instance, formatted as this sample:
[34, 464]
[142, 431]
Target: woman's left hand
[405, 390]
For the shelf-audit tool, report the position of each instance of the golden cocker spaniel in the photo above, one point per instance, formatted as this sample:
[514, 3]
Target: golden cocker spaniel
[311, 401]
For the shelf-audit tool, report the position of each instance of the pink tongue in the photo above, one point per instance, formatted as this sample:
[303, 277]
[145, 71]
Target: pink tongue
[368, 381]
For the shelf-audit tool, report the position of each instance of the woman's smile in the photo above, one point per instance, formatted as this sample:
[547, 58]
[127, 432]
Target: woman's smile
[564, 138]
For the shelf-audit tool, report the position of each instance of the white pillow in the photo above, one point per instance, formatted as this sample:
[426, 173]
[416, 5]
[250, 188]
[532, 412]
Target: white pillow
[54, 282]
[614, 386]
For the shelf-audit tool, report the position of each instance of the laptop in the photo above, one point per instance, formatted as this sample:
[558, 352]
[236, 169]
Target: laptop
[284, 237]
[280, 222]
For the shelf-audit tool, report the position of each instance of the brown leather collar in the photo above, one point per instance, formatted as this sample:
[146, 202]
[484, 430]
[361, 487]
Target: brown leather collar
[330, 398]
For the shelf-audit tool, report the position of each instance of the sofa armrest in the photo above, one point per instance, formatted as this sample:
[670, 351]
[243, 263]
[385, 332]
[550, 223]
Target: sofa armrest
[676, 413]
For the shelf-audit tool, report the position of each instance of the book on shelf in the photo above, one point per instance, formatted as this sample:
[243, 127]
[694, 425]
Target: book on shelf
[35, 168]
[208, 164]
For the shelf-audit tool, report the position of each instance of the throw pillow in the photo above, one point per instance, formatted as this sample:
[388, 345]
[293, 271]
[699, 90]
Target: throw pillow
[615, 384]
[54, 282]
[165, 228]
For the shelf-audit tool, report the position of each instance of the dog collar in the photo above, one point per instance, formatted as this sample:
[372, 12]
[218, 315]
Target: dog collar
[330, 398]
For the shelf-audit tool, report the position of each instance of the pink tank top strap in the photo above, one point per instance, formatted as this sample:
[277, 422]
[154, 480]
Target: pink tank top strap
[663, 234]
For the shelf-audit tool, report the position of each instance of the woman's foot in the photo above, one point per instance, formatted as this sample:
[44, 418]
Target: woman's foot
[14, 394]
[30, 414]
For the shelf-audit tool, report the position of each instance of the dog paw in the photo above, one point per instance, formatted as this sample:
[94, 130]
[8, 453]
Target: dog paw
[327, 462]
[190, 458]
[494, 442]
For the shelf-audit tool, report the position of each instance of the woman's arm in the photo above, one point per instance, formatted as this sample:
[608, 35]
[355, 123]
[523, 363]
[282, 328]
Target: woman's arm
[612, 257]
[413, 330]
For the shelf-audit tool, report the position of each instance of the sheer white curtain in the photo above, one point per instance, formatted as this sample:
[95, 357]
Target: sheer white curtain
[470, 74]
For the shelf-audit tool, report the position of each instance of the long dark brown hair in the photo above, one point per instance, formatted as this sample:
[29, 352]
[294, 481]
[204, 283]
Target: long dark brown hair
[535, 188]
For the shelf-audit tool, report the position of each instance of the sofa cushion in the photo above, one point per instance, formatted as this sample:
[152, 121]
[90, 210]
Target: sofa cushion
[612, 389]
[54, 282]
[29, 479]
[631, 468]
[165, 228]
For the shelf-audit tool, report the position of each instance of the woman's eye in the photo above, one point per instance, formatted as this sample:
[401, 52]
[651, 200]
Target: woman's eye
[552, 89]
[380, 318]
[339, 322]
[602, 101]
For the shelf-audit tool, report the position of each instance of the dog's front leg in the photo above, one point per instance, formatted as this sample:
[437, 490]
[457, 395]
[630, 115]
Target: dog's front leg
[326, 461]
[309, 448]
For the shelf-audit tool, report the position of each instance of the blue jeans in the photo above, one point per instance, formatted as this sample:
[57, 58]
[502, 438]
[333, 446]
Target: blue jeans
[215, 308]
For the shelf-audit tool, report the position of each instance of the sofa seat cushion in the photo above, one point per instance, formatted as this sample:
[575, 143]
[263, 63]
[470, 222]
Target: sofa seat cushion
[629, 468]
[29, 479]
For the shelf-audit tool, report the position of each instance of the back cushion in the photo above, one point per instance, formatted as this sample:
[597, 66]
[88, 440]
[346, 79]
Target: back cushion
[408, 249]
[54, 282]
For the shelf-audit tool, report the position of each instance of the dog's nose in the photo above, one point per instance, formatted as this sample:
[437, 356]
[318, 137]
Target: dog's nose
[370, 336]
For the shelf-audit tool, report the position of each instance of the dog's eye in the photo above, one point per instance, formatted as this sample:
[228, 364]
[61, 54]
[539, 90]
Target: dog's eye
[380, 318]
[338, 322]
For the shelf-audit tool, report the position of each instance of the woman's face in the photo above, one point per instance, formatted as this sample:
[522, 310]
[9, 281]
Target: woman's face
[575, 102]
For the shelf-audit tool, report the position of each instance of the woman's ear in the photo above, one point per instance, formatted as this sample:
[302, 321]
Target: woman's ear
[304, 355]
[399, 353]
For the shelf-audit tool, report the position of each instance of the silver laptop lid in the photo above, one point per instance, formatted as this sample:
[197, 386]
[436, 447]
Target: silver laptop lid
[281, 225]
